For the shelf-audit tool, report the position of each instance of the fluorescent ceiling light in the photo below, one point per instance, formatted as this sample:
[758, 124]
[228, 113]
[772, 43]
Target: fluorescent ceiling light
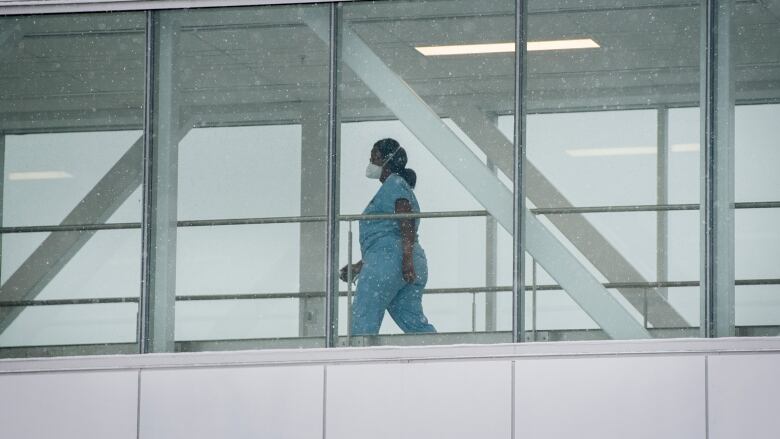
[533, 46]
[629, 150]
[599, 152]
[685, 147]
[586, 43]
[38, 175]
[466, 49]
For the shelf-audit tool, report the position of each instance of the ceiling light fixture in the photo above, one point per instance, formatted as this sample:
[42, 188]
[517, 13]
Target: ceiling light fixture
[603, 152]
[685, 147]
[38, 175]
[533, 46]
[538, 46]
[629, 150]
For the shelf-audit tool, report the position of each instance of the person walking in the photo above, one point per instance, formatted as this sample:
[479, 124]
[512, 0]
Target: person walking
[394, 269]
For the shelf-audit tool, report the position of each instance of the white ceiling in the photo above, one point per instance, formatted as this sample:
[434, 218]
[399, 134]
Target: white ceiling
[264, 65]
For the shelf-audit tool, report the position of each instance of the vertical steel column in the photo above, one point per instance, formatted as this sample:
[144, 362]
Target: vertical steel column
[518, 219]
[717, 164]
[534, 300]
[161, 191]
[314, 133]
[2, 190]
[332, 211]
[662, 197]
[146, 188]
[491, 256]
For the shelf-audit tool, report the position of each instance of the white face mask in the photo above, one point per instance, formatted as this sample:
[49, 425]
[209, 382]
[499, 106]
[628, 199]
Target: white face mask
[374, 172]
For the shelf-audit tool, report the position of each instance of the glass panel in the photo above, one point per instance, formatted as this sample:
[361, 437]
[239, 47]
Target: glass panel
[559, 318]
[103, 275]
[72, 88]
[634, 235]
[445, 112]
[756, 158]
[242, 135]
[683, 161]
[51, 167]
[757, 310]
[91, 298]
[603, 143]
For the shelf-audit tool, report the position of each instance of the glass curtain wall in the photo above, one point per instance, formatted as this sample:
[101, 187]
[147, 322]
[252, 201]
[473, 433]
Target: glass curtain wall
[756, 77]
[71, 127]
[613, 145]
[434, 77]
[239, 199]
[232, 233]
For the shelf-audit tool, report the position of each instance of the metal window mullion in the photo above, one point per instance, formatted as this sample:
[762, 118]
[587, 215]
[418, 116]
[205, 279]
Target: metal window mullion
[162, 135]
[518, 220]
[2, 191]
[144, 300]
[332, 210]
[717, 163]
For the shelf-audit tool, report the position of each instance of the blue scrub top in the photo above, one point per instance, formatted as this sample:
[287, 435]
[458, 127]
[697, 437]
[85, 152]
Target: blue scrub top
[372, 231]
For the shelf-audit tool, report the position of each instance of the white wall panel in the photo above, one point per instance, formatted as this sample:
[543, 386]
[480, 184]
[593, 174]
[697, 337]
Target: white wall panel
[445, 399]
[744, 396]
[232, 402]
[610, 398]
[78, 405]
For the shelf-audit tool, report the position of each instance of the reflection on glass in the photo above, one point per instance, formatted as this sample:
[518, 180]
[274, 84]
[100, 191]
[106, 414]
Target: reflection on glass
[105, 269]
[51, 167]
[756, 38]
[601, 137]
[240, 159]
[72, 92]
[441, 110]
[242, 121]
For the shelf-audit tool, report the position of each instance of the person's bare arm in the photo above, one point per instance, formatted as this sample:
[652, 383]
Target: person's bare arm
[402, 205]
[356, 267]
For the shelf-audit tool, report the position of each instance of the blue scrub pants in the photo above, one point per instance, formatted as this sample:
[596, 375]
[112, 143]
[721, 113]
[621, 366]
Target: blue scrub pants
[381, 286]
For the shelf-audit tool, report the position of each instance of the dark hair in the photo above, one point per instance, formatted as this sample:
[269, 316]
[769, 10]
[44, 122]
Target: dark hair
[397, 163]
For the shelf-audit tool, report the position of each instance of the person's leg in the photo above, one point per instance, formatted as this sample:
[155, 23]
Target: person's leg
[378, 282]
[406, 307]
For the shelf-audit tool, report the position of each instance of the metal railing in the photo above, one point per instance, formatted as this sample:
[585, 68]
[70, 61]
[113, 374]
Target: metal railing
[357, 217]
[345, 293]
[534, 288]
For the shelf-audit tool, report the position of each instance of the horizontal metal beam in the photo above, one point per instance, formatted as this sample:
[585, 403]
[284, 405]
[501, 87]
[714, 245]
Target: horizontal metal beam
[309, 294]
[20, 7]
[10, 7]
[68, 350]
[104, 356]
[358, 217]
[285, 113]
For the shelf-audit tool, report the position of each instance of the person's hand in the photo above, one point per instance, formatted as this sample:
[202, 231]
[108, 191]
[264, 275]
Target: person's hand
[407, 269]
[355, 270]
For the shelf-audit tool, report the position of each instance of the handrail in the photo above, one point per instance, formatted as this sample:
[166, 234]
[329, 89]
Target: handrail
[308, 294]
[358, 217]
